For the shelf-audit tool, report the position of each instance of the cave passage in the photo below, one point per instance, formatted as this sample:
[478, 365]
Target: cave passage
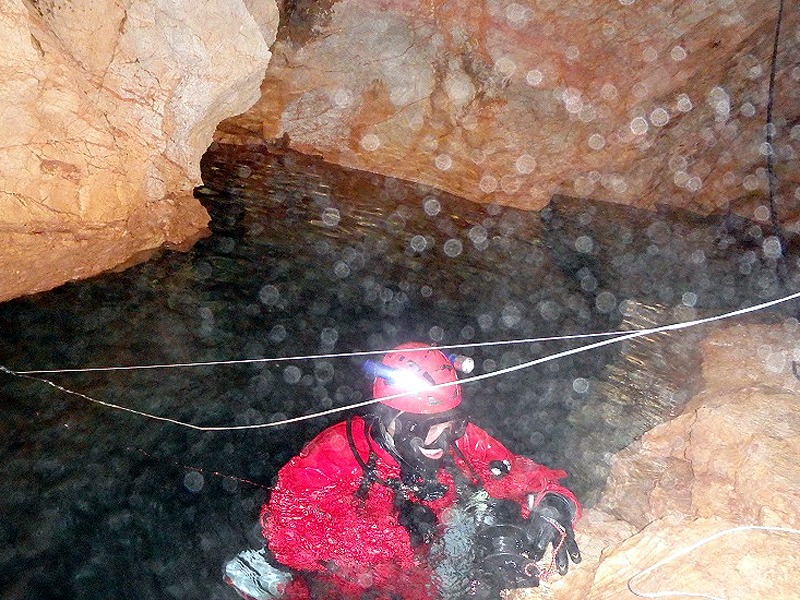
[309, 258]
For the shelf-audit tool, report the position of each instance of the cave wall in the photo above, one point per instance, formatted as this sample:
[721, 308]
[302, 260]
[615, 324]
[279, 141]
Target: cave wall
[640, 103]
[728, 461]
[106, 107]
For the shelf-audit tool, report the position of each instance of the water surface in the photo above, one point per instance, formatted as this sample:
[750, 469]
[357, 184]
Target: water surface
[306, 258]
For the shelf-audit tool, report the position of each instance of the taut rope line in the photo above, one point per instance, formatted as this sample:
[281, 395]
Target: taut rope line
[525, 365]
[299, 357]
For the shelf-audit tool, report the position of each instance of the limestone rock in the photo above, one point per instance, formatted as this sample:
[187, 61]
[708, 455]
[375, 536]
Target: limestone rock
[740, 434]
[597, 532]
[106, 107]
[739, 564]
[640, 103]
[729, 461]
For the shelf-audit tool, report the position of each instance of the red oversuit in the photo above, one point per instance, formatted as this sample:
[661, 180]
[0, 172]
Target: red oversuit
[315, 522]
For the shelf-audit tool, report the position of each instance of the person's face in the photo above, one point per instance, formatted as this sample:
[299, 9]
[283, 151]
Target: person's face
[430, 447]
[423, 441]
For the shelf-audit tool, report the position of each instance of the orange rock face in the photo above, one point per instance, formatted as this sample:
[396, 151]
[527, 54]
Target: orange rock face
[106, 108]
[729, 461]
[640, 103]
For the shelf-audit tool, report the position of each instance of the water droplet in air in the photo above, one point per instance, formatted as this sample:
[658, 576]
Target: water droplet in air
[639, 126]
[194, 481]
[694, 184]
[584, 244]
[772, 247]
[277, 334]
[370, 142]
[444, 162]
[341, 269]
[342, 98]
[534, 77]
[580, 385]
[748, 110]
[269, 295]
[506, 66]
[331, 217]
[608, 91]
[680, 178]
[431, 206]
[525, 164]
[419, 243]
[659, 117]
[477, 234]
[761, 213]
[488, 184]
[292, 374]
[596, 141]
[329, 336]
[516, 12]
[436, 333]
[605, 302]
[678, 53]
[453, 247]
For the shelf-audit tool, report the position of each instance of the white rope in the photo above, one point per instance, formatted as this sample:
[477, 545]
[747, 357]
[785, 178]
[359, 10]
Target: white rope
[525, 365]
[299, 357]
[692, 548]
[624, 333]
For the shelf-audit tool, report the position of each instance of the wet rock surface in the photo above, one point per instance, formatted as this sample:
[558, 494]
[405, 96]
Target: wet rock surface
[107, 108]
[642, 104]
[734, 438]
[727, 462]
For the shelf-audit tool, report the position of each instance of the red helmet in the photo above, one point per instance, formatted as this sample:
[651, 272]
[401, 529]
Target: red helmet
[413, 368]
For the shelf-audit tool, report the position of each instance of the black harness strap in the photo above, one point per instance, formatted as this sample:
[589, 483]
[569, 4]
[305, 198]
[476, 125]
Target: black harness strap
[368, 468]
[370, 472]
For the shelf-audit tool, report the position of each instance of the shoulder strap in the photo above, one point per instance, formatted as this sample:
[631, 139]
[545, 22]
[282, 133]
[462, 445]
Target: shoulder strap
[368, 468]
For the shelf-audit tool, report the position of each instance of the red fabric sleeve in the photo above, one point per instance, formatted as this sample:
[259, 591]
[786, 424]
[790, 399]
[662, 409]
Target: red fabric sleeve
[523, 477]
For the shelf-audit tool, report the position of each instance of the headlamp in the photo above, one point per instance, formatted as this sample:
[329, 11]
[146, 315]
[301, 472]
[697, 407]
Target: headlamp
[406, 380]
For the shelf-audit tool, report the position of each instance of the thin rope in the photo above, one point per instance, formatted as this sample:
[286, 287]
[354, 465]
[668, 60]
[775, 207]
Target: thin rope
[547, 572]
[770, 130]
[525, 365]
[692, 548]
[300, 357]
[623, 334]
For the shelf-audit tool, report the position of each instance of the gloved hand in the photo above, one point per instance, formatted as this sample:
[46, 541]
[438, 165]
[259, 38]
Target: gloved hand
[419, 521]
[542, 533]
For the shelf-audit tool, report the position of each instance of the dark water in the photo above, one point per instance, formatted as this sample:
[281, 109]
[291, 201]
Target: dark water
[304, 259]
